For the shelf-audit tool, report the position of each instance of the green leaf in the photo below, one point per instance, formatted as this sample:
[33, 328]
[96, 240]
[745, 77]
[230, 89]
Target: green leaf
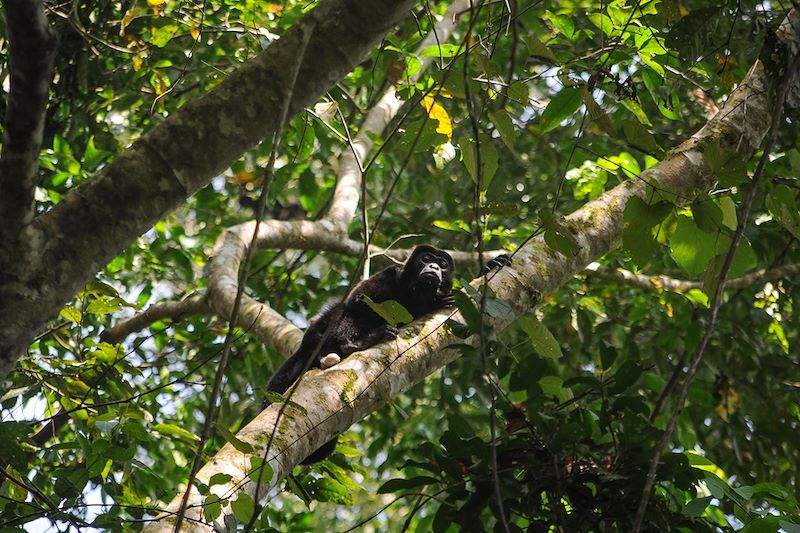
[445, 51]
[504, 126]
[518, 91]
[486, 65]
[743, 260]
[171, 430]
[489, 160]
[92, 156]
[469, 311]
[726, 164]
[789, 527]
[626, 376]
[394, 485]
[563, 105]
[468, 156]
[557, 235]
[391, 311]
[641, 228]
[766, 524]
[163, 35]
[697, 297]
[219, 479]
[543, 341]
[607, 356]
[589, 180]
[421, 135]
[691, 247]
[637, 135]
[695, 508]
[243, 507]
[635, 108]
[260, 471]
[11, 452]
[562, 23]
[234, 441]
[553, 386]
[603, 22]
[328, 490]
[598, 114]
[711, 275]
[458, 225]
[537, 48]
[212, 507]
[71, 314]
[496, 308]
[728, 209]
[782, 204]
[707, 215]
[272, 397]
[104, 305]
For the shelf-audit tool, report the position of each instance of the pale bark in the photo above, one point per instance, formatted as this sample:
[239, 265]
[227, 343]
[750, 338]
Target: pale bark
[660, 282]
[171, 310]
[325, 403]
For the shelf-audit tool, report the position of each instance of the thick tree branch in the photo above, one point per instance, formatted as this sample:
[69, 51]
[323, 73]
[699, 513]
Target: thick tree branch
[102, 217]
[32, 48]
[662, 282]
[331, 400]
[194, 305]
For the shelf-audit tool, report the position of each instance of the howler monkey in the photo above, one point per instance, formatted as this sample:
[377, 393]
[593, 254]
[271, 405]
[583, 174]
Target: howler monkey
[423, 284]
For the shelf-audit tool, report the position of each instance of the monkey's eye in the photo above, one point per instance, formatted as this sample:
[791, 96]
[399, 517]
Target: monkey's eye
[443, 263]
[426, 258]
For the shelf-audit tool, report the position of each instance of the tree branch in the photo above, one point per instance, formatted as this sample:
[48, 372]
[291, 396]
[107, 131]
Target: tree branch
[194, 305]
[662, 282]
[32, 48]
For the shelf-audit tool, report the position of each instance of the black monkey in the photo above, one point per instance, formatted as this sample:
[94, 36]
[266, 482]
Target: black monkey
[423, 284]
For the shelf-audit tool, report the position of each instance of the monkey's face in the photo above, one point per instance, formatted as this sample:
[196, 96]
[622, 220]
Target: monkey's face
[430, 268]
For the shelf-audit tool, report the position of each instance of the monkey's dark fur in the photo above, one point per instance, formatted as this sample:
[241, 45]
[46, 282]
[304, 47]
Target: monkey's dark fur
[423, 284]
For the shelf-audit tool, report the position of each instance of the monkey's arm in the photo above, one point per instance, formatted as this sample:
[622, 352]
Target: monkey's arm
[289, 371]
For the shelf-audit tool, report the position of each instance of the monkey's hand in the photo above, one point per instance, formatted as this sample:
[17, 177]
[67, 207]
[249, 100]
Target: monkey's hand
[447, 301]
[376, 336]
[497, 262]
[389, 332]
[329, 360]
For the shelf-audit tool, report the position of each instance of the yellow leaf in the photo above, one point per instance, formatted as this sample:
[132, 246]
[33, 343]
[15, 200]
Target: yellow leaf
[242, 177]
[438, 113]
[155, 3]
[137, 63]
[441, 91]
